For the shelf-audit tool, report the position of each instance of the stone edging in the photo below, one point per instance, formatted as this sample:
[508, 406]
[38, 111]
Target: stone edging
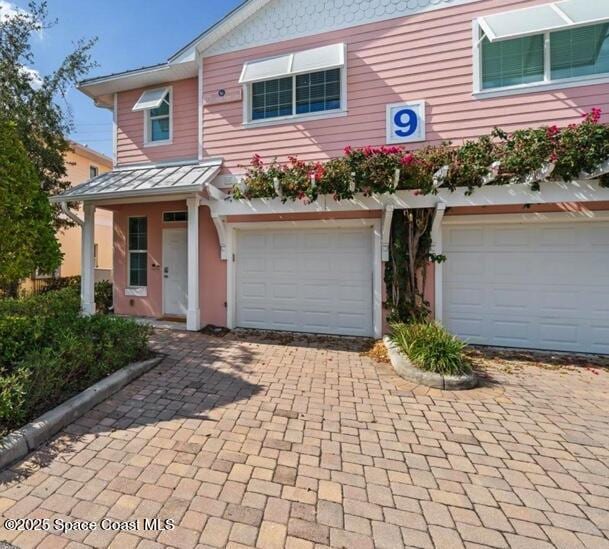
[405, 369]
[21, 442]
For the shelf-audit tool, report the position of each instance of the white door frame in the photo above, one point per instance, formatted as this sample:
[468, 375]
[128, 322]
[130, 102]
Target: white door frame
[377, 277]
[163, 231]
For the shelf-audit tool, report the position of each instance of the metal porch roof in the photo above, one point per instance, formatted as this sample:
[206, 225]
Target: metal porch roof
[143, 181]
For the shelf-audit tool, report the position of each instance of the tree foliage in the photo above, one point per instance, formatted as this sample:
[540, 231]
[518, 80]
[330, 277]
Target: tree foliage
[32, 102]
[27, 240]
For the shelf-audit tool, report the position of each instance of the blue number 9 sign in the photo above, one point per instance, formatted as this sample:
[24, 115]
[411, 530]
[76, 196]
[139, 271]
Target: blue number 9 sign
[406, 122]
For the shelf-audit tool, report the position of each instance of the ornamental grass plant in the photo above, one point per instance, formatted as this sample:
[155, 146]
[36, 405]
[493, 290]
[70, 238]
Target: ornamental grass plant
[430, 347]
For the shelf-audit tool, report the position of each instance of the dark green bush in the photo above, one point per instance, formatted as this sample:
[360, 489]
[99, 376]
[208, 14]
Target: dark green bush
[49, 352]
[103, 290]
[430, 347]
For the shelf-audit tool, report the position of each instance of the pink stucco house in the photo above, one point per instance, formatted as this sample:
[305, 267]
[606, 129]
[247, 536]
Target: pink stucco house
[284, 77]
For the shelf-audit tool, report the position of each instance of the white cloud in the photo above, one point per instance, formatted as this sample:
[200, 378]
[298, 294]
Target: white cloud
[33, 75]
[8, 10]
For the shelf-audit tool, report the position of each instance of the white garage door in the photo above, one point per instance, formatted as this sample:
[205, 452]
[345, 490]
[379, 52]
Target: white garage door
[539, 285]
[305, 280]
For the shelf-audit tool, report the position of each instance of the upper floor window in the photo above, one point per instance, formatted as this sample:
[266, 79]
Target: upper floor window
[93, 172]
[549, 45]
[156, 105]
[295, 85]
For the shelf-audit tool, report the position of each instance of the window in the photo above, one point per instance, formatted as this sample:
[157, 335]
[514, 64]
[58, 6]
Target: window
[295, 84]
[314, 92]
[318, 91]
[272, 98]
[96, 255]
[175, 217]
[580, 52]
[550, 57]
[158, 121]
[93, 172]
[138, 251]
[512, 62]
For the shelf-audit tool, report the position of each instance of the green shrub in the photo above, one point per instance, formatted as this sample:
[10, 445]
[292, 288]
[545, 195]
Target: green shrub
[430, 347]
[49, 352]
[103, 290]
[103, 296]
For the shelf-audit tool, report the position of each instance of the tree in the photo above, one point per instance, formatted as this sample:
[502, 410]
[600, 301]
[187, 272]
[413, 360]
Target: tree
[27, 240]
[31, 101]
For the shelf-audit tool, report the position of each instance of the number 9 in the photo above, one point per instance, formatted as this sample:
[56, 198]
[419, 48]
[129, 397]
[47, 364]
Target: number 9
[409, 126]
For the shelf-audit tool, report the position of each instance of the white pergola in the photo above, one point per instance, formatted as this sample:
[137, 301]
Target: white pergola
[158, 184]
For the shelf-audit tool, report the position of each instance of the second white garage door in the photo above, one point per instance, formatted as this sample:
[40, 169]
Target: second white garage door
[539, 285]
[305, 280]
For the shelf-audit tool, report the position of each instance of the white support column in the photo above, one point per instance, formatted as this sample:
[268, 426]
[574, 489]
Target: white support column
[87, 272]
[436, 248]
[193, 316]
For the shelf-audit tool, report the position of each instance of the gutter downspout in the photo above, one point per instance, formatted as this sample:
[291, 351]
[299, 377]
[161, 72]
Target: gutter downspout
[437, 248]
[71, 215]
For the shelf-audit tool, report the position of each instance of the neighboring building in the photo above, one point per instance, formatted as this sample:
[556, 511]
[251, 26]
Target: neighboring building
[82, 164]
[285, 77]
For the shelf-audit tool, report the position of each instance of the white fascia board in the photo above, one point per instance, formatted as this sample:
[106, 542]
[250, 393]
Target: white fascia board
[493, 195]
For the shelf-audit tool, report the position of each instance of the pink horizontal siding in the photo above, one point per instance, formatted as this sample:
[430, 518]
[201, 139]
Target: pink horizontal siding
[426, 56]
[130, 138]
[212, 270]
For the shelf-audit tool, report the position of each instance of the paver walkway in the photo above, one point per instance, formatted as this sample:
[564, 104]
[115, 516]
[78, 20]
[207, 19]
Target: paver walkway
[246, 442]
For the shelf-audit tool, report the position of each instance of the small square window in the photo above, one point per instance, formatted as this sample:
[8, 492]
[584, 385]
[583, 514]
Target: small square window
[93, 172]
[175, 217]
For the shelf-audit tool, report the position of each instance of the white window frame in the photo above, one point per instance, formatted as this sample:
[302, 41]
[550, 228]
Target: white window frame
[128, 286]
[341, 111]
[91, 168]
[546, 84]
[173, 211]
[147, 123]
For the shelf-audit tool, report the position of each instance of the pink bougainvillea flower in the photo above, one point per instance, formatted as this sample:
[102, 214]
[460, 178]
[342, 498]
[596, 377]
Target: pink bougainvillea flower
[257, 161]
[348, 150]
[407, 159]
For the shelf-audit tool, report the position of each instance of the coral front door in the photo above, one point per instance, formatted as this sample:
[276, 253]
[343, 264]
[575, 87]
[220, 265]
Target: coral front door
[175, 282]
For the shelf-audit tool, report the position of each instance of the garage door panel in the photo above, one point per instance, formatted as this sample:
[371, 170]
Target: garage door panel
[513, 238]
[599, 338]
[465, 238]
[253, 290]
[316, 280]
[539, 286]
[556, 238]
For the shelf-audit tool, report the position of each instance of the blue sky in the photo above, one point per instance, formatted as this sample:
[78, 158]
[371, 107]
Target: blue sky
[131, 34]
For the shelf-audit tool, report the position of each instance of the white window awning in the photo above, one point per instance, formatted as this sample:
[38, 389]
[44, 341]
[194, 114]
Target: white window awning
[317, 59]
[554, 16]
[150, 99]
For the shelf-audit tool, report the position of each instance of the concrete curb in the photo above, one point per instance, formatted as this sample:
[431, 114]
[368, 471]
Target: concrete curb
[405, 369]
[21, 442]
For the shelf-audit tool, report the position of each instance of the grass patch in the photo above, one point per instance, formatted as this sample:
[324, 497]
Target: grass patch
[430, 347]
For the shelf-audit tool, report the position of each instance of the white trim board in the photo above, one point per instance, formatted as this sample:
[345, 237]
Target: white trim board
[491, 195]
[584, 216]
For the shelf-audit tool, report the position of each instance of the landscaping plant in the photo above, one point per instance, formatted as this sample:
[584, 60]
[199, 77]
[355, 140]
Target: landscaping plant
[430, 347]
[567, 153]
[49, 352]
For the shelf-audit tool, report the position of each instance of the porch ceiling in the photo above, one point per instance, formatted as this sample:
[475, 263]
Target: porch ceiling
[144, 181]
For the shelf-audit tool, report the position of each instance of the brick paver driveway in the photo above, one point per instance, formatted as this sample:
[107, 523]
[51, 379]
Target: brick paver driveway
[247, 443]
